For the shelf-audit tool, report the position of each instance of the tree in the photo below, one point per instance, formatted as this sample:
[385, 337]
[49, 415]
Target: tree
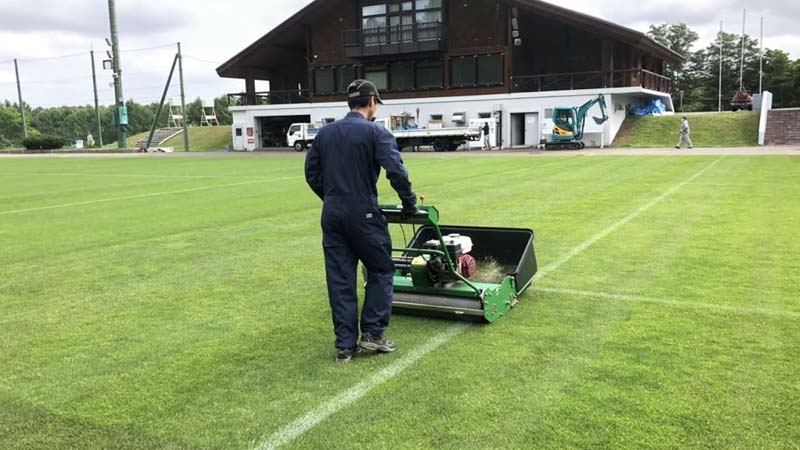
[780, 78]
[680, 39]
[10, 125]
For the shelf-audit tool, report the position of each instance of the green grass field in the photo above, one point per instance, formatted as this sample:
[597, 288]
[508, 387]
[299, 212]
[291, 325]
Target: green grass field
[204, 139]
[180, 303]
[708, 130]
[201, 139]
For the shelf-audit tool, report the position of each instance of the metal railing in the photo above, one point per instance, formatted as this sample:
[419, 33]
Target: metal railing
[270, 98]
[591, 80]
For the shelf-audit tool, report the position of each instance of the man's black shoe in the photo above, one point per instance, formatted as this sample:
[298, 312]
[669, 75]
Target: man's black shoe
[345, 355]
[379, 343]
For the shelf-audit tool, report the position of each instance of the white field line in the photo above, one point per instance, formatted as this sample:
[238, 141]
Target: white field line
[613, 227]
[672, 302]
[133, 197]
[300, 426]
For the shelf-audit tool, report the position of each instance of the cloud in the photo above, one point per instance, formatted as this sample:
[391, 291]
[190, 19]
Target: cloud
[213, 30]
[89, 18]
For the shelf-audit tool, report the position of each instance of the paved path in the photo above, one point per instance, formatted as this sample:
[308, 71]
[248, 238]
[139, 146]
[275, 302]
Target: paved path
[785, 150]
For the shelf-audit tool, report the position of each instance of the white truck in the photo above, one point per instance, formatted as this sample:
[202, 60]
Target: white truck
[441, 139]
[301, 135]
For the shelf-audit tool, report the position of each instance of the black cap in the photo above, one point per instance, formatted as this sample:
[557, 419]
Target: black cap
[363, 88]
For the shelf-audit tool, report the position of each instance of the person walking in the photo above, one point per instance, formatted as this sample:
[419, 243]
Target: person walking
[487, 144]
[342, 167]
[685, 134]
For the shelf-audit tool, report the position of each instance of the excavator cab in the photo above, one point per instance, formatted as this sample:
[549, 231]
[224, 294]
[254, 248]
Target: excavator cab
[564, 120]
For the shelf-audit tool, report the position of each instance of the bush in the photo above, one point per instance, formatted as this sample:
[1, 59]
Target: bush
[42, 142]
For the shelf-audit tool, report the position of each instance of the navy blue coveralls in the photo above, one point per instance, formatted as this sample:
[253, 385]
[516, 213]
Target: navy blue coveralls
[342, 168]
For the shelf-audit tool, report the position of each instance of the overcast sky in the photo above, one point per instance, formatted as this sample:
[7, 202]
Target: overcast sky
[213, 31]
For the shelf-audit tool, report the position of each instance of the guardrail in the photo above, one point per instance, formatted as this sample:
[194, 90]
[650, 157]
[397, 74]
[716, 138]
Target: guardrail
[591, 80]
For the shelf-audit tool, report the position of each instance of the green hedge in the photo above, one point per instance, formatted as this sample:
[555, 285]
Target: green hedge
[43, 142]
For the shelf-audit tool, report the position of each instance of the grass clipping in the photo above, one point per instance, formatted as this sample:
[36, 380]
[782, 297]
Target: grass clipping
[489, 271]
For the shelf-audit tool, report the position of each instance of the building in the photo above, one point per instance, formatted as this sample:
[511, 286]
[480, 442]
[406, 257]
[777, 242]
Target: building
[446, 63]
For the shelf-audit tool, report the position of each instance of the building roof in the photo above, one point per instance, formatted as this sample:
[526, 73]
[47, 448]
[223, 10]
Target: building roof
[290, 36]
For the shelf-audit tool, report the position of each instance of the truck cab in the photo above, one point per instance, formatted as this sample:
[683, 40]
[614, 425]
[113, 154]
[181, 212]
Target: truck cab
[301, 135]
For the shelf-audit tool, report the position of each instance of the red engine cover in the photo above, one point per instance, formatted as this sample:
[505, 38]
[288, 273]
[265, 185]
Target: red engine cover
[468, 266]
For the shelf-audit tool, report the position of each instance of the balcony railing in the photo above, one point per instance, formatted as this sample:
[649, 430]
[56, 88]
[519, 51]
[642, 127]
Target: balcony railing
[419, 37]
[270, 98]
[591, 80]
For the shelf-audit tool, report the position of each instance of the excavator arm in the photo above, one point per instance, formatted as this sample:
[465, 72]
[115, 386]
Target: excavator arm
[584, 110]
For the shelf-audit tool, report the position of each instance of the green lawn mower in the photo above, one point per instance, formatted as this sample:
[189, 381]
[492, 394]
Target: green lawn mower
[464, 272]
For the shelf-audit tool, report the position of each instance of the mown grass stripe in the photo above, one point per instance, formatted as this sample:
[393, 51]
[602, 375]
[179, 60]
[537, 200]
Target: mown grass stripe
[134, 197]
[613, 227]
[301, 425]
[671, 302]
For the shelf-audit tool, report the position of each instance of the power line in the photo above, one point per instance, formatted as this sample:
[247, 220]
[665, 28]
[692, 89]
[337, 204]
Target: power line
[157, 47]
[202, 60]
[49, 58]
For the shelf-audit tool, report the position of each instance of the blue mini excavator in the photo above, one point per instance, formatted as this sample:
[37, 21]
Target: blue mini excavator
[569, 123]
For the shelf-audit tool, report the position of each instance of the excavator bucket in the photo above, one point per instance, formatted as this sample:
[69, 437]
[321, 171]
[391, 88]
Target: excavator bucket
[600, 120]
[460, 272]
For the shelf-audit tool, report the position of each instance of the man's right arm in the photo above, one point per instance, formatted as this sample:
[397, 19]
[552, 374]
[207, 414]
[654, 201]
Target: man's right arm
[314, 169]
[388, 156]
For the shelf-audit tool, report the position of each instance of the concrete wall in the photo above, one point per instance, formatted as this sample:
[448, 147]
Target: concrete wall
[783, 127]
[618, 100]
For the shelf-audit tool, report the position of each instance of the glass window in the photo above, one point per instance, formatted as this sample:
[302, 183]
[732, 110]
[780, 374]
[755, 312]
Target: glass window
[429, 16]
[323, 81]
[429, 75]
[374, 10]
[490, 69]
[377, 75]
[428, 4]
[462, 71]
[294, 129]
[394, 7]
[408, 6]
[401, 76]
[374, 22]
[344, 76]
[375, 30]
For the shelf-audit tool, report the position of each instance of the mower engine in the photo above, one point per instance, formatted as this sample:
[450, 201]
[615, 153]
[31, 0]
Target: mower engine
[432, 270]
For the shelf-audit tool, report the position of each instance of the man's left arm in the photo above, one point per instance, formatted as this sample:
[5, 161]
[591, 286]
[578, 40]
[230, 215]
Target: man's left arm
[314, 169]
[388, 156]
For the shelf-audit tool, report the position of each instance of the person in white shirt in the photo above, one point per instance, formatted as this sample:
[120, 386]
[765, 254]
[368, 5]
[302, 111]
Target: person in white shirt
[685, 134]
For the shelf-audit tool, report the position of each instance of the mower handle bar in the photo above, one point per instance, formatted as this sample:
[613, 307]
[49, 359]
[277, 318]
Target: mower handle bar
[396, 215]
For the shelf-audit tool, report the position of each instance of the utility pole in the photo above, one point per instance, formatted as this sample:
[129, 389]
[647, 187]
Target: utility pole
[761, 60]
[21, 105]
[741, 67]
[720, 66]
[183, 101]
[96, 102]
[119, 99]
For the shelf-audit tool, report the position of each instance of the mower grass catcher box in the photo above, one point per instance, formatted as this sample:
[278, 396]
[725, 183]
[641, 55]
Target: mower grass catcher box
[475, 273]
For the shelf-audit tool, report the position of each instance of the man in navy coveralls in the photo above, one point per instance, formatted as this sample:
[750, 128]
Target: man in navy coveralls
[342, 167]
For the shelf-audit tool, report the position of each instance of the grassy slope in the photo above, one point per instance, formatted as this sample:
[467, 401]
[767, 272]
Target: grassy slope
[172, 321]
[708, 130]
[132, 140]
[203, 139]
